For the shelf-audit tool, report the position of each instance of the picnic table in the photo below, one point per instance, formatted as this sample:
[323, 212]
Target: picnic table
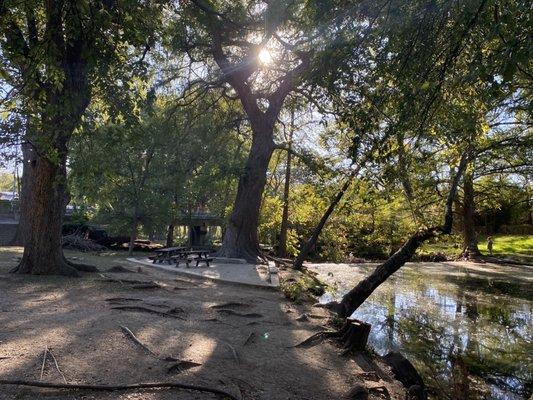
[162, 255]
[181, 254]
[188, 256]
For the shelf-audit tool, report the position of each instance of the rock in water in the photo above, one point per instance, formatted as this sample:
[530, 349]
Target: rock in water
[407, 374]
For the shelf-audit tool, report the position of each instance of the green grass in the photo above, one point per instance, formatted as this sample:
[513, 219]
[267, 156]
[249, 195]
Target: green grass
[509, 244]
[503, 245]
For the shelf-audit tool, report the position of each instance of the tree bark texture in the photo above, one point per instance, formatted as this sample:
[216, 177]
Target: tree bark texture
[170, 235]
[61, 107]
[241, 239]
[28, 157]
[43, 210]
[470, 243]
[133, 235]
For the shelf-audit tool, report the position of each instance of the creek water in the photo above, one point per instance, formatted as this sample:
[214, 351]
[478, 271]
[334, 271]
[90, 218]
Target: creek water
[466, 329]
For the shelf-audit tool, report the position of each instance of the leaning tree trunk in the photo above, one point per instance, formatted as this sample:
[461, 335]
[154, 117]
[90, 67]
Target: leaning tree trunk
[470, 244]
[241, 239]
[44, 208]
[311, 242]
[355, 297]
[282, 250]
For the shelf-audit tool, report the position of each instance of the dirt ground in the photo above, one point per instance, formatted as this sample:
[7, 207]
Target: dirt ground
[241, 337]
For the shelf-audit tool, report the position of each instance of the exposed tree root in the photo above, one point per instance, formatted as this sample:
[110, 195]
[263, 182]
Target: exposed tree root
[147, 285]
[63, 268]
[147, 310]
[57, 366]
[135, 283]
[250, 339]
[43, 364]
[231, 304]
[187, 281]
[121, 299]
[316, 339]
[130, 335]
[182, 366]
[352, 336]
[82, 267]
[219, 321]
[119, 269]
[238, 314]
[233, 351]
[179, 366]
[111, 388]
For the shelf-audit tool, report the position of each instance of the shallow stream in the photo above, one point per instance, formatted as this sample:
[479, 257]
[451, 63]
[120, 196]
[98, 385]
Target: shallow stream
[465, 329]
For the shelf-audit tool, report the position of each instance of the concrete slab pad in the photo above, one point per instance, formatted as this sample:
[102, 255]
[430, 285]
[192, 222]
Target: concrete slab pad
[238, 273]
[227, 260]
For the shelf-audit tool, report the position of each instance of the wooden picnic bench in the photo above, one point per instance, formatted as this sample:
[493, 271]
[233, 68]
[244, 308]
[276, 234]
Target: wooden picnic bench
[166, 254]
[189, 256]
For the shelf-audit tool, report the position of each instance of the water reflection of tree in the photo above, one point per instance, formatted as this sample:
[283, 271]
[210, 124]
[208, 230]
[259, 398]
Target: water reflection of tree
[487, 333]
[454, 352]
[391, 315]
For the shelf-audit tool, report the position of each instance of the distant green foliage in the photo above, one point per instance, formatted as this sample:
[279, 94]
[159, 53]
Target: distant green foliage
[6, 182]
[156, 164]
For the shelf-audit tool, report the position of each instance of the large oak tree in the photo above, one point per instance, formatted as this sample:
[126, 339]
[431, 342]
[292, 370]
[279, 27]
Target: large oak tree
[260, 53]
[55, 55]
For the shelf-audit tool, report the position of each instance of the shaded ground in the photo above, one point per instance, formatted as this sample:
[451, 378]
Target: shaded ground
[249, 274]
[242, 347]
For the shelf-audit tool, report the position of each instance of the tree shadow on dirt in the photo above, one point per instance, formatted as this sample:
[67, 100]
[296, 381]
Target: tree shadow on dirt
[241, 338]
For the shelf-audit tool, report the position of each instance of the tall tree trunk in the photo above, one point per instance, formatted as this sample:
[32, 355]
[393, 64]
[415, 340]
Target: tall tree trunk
[170, 235]
[355, 297]
[470, 243]
[241, 239]
[282, 247]
[311, 242]
[133, 235]
[28, 158]
[43, 209]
